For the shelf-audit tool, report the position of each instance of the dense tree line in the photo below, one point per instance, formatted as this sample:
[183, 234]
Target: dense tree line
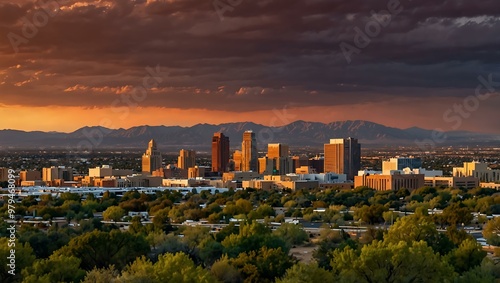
[83, 249]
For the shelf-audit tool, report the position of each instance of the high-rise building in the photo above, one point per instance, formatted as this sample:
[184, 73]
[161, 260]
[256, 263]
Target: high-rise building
[237, 158]
[249, 152]
[151, 159]
[220, 152]
[277, 150]
[343, 156]
[399, 163]
[186, 159]
[280, 154]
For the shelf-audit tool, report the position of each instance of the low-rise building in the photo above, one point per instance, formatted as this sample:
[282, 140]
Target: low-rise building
[452, 182]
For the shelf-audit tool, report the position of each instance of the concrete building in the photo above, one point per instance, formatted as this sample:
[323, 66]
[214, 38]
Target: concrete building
[186, 159]
[318, 163]
[478, 170]
[4, 174]
[322, 178]
[390, 182]
[282, 162]
[50, 174]
[452, 182]
[249, 152]
[495, 186]
[198, 171]
[343, 156]
[151, 159]
[220, 153]
[266, 165]
[30, 175]
[399, 163]
[237, 159]
[240, 176]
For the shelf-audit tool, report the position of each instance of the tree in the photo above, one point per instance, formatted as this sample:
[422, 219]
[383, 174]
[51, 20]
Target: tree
[57, 268]
[292, 234]
[390, 262]
[264, 265]
[412, 228]
[114, 213]
[302, 272]
[491, 231]
[172, 268]
[225, 272]
[456, 214]
[24, 257]
[100, 249]
[468, 255]
[101, 275]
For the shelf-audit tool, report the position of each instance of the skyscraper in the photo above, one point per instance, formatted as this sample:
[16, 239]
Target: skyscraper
[186, 159]
[279, 153]
[343, 156]
[220, 152]
[151, 159]
[249, 152]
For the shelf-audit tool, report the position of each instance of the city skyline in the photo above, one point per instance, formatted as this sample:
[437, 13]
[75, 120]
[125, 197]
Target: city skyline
[128, 63]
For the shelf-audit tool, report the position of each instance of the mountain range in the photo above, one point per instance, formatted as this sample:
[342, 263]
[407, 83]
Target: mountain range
[298, 133]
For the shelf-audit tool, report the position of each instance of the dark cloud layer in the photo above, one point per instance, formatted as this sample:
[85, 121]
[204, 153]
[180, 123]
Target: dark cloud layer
[264, 53]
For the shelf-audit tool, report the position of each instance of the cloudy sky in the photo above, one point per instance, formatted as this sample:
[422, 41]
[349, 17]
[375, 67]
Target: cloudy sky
[67, 64]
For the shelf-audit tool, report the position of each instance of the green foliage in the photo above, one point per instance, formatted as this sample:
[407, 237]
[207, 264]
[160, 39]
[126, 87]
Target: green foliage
[292, 234]
[391, 262]
[100, 249]
[57, 268]
[101, 275]
[468, 255]
[491, 231]
[24, 257]
[174, 268]
[263, 265]
[113, 213]
[302, 272]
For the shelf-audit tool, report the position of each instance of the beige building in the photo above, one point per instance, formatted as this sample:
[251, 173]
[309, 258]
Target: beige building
[30, 175]
[266, 165]
[151, 159]
[390, 182]
[478, 170]
[452, 182]
[399, 163]
[197, 171]
[186, 159]
[237, 159]
[240, 176]
[343, 156]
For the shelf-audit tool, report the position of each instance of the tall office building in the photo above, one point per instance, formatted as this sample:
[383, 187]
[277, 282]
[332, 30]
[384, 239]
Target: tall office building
[343, 156]
[237, 157]
[249, 152]
[186, 159]
[399, 163]
[220, 152]
[151, 159]
[279, 153]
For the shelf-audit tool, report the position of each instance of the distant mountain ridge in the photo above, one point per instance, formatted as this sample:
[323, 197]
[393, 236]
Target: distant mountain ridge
[298, 133]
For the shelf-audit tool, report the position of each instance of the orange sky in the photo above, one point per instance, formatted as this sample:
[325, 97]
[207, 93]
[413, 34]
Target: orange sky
[68, 119]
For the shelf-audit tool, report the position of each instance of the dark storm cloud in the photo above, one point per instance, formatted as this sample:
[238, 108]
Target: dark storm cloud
[264, 53]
